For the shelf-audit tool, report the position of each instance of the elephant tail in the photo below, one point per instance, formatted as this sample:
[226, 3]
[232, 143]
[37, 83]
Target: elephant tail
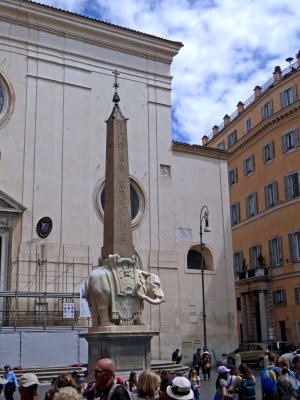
[87, 295]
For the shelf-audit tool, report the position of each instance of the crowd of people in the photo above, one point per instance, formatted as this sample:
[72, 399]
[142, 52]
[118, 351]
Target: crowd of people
[277, 382]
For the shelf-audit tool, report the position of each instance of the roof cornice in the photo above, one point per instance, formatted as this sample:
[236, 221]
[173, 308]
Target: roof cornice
[67, 24]
[199, 150]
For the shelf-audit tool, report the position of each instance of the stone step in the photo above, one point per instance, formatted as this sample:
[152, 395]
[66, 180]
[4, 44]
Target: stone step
[46, 374]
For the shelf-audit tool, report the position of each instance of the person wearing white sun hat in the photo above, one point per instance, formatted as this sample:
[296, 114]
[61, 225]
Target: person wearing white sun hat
[180, 389]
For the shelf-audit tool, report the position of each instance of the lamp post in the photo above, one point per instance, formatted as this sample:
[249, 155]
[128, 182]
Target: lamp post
[203, 217]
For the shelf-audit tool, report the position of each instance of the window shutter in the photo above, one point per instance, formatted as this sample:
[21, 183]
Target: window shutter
[252, 167]
[283, 297]
[255, 202]
[238, 212]
[294, 93]
[271, 106]
[296, 295]
[267, 203]
[276, 192]
[272, 149]
[286, 187]
[271, 259]
[296, 137]
[235, 174]
[262, 110]
[296, 185]
[283, 141]
[292, 246]
[280, 249]
[245, 167]
[282, 100]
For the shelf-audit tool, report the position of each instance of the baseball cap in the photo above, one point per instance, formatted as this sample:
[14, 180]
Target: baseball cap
[29, 379]
[223, 369]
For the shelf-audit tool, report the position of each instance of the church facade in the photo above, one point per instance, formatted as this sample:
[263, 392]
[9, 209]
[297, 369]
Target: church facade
[56, 87]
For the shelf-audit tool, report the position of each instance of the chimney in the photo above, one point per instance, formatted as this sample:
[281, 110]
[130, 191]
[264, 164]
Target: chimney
[240, 107]
[204, 140]
[215, 130]
[226, 119]
[277, 74]
[298, 58]
[257, 91]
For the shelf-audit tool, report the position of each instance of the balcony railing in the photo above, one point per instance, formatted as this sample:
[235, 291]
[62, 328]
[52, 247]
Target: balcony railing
[252, 273]
[284, 74]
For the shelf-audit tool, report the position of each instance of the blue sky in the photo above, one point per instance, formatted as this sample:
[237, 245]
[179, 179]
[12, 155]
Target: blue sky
[230, 46]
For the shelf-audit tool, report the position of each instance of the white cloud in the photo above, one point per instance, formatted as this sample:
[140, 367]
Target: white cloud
[229, 47]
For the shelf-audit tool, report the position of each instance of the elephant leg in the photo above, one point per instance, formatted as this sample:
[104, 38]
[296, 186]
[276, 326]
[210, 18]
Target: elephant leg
[103, 313]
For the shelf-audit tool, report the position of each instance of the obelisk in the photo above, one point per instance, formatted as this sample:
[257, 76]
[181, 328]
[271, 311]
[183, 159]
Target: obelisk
[117, 211]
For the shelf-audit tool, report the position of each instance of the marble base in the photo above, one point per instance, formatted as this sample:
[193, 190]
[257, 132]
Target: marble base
[128, 346]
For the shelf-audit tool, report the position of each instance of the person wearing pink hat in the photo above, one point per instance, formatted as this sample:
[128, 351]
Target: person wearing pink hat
[221, 384]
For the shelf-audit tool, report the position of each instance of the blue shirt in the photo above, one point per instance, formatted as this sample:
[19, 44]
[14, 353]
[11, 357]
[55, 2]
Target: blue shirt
[11, 377]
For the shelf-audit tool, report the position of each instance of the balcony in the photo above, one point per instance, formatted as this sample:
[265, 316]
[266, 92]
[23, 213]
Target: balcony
[252, 273]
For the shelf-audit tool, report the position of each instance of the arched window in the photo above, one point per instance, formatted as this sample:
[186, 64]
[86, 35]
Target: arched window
[194, 260]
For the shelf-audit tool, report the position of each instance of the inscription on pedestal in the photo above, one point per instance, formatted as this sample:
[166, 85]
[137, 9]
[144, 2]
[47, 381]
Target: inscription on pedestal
[130, 357]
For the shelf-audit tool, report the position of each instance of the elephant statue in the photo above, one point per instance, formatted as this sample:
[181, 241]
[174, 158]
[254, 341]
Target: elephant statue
[116, 290]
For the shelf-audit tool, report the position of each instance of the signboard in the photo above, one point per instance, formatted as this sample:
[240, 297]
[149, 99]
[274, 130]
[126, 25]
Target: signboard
[69, 310]
[84, 307]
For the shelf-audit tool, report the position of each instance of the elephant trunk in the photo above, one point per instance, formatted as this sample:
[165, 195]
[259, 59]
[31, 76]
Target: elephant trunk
[157, 300]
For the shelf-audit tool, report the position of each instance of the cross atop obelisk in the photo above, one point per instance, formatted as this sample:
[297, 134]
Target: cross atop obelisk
[117, 207]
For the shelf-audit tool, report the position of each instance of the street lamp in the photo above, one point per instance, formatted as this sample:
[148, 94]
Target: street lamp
[203, 217]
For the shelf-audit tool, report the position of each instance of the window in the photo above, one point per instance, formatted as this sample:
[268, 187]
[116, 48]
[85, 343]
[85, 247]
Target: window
[275, 251]
[268, 152]
[271, 195]
[289, 96]
[248, 125]
[267, 110]
[248, 165]
[221, 145]
[134, 201]
[279, 297]
[238, 262]
[235, 213]
[232, 138]
[194, 260]
[290, 140]
[251, 205]
[294, 244]
[297, 294]
[291, 183]
[254, 256]
[232, 176]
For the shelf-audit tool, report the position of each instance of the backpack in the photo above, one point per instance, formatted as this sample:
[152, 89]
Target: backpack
[268, 380]
[248, 389]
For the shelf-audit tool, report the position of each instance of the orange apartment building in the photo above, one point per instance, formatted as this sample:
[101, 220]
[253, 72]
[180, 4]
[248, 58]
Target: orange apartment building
[262, 138]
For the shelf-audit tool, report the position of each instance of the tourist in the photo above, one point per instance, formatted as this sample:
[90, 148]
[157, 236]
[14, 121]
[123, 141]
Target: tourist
[245, 383]
[221, 383]
[28, 387]
[195, 383]
[180, 389]
[131, 383]
[197, 360]
[68, 393]
[165, 382]
[105, 387]
[230, 382]
[296, 370]
[269, 378]
[206, 363]
[148, 386]
[12, 384]
[176, 356]
[284, 389]
[2, 382]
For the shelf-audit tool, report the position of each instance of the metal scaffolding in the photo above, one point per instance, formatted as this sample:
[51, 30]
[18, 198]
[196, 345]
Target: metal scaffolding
[34, 292]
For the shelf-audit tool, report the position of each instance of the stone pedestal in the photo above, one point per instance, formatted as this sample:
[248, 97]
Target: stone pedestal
[128, 346]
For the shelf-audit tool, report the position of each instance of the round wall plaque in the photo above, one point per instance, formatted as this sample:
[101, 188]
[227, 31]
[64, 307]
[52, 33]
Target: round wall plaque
[44, 227]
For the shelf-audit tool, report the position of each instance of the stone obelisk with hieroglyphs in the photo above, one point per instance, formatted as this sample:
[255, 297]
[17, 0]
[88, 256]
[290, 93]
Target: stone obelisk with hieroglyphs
[117, 212]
